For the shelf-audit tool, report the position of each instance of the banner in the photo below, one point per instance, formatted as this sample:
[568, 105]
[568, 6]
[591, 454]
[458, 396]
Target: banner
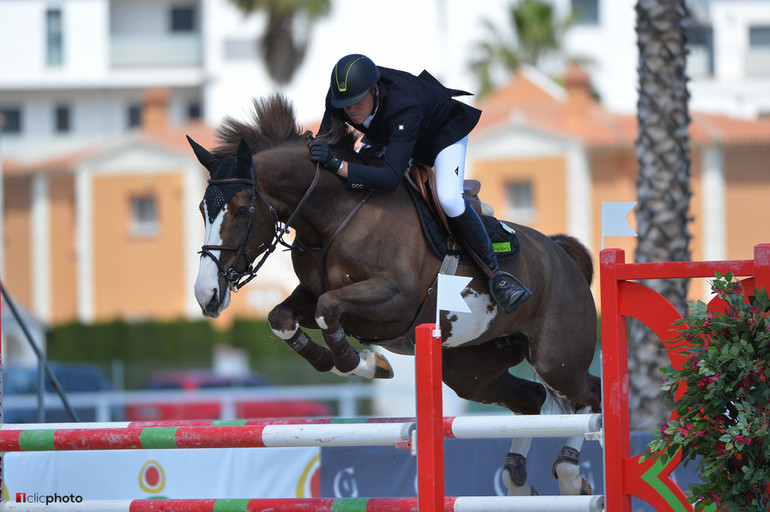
[140, 474]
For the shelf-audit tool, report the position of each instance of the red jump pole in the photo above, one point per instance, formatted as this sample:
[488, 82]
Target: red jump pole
[430, 436]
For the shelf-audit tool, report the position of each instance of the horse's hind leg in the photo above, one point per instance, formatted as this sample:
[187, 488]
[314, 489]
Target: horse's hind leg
[480, 373]
[582, 396]
[515, 469]
[566, 468]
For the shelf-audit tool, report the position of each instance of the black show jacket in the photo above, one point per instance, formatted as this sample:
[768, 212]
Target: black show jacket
[416, 118]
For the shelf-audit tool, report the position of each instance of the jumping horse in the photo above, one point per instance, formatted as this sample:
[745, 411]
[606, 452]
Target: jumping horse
[366, 271]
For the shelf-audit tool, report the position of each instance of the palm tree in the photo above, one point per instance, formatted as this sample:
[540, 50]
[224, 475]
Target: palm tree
[662, 183]
[534, 34]
[284, 43]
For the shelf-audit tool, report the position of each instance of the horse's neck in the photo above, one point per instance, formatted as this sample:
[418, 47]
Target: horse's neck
[317, 207]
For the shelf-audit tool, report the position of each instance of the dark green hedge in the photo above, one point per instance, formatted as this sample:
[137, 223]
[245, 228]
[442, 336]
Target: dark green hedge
[143, 347]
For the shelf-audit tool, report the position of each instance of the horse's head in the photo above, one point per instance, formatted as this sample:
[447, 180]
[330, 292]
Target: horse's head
[239, 226]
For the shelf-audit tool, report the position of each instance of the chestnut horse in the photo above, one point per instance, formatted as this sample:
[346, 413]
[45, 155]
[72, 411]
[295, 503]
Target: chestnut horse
[365, 270]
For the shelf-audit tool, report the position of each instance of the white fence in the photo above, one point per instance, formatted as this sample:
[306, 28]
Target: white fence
[347, 399]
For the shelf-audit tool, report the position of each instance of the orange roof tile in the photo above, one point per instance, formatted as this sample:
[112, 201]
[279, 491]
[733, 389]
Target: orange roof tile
[172, 138]
[527, 103]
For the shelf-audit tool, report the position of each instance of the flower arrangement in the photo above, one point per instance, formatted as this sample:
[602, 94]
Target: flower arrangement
[722, 418]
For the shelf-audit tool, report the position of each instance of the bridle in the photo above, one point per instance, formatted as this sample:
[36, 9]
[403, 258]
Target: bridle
[235, 279]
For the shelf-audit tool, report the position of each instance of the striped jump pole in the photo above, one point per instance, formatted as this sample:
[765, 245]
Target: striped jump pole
[279, 433]
[447, 504]
[375, 434]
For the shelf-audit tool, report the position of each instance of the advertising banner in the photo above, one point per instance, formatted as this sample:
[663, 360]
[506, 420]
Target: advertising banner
[61, 477]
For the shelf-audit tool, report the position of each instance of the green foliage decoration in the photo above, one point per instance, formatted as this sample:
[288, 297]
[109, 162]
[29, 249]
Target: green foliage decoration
[722, 418]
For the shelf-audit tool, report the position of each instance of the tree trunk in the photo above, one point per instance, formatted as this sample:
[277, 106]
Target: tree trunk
[663, 190]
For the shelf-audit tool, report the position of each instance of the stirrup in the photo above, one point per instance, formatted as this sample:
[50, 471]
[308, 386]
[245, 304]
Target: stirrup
[522, 298]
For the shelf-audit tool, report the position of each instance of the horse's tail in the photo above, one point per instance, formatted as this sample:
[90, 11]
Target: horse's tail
[579, 254]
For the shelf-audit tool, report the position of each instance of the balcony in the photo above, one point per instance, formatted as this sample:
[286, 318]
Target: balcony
[155, 51]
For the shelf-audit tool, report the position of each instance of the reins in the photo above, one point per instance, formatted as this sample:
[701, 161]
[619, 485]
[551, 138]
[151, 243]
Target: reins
[236, 280]
[324, 249]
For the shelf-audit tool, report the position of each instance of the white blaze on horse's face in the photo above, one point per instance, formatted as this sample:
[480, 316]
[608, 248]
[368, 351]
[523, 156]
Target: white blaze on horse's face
[212, 297]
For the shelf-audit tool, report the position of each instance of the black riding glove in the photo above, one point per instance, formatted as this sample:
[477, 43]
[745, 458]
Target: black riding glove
[321, 153]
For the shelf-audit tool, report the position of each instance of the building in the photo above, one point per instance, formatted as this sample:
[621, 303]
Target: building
[549, 157]
[728, 63]
[112, 231]
[97, 195]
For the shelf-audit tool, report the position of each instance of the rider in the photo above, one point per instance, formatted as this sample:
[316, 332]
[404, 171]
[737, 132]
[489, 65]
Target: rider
[405, 117]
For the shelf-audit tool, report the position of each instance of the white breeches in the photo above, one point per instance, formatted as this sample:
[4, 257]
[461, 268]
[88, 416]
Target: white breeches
[450, 174]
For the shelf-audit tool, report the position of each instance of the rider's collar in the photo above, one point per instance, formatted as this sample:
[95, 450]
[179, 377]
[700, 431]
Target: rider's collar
[368, 120]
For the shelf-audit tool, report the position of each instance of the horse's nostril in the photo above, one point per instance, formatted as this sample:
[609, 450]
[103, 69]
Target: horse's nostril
[213, 302]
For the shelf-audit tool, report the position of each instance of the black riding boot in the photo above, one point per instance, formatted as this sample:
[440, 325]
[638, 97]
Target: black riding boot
[469, 228]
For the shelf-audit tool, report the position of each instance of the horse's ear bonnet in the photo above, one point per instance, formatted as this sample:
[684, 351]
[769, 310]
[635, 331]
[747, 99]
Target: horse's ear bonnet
[236, 166]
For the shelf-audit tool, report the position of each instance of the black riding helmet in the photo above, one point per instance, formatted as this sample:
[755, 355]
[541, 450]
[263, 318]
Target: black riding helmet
[352, 78]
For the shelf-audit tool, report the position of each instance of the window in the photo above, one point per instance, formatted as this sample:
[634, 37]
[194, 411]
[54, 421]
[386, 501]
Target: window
[11, 120]
[194, 110]
[134, 116]
[53, 31]
[758, 56]
[182, 19]
[144, 216]
[520, 201]
[759, 37]
[700, 61]
[585, 12]
[62, 116]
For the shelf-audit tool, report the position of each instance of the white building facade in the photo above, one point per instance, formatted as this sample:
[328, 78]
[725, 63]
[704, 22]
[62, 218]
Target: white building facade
[72, 71]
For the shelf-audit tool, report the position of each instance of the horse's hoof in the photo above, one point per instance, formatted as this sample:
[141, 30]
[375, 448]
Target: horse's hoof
[515, 476]
[586, 489]
[382, 368]
[371, 365]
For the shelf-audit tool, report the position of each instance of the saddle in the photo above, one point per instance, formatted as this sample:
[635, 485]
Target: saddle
[422, 184]
[423, 179]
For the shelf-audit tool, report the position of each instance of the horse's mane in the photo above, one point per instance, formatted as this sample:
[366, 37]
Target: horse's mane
[273, 123]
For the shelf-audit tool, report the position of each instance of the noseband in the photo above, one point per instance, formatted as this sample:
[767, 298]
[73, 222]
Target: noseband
[235, 279]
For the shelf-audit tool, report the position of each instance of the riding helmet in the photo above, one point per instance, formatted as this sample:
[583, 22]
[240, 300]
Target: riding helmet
[352, 78]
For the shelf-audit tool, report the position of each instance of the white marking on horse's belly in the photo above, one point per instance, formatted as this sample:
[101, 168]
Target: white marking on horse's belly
[469, 326]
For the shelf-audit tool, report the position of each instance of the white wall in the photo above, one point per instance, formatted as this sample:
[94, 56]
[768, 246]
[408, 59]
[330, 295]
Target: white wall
[23, 42]
[731, 91]
[611, 46]
[404, 34]
[437, 35]
[22, 47]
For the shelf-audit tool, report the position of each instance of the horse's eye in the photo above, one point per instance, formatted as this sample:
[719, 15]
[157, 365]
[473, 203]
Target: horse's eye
[241, 211]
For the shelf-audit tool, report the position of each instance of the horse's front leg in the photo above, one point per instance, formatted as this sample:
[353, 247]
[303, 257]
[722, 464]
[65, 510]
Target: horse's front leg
[285, 320]
[371, 299]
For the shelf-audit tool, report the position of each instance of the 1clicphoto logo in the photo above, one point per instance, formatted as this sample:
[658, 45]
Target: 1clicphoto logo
[48, 499]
